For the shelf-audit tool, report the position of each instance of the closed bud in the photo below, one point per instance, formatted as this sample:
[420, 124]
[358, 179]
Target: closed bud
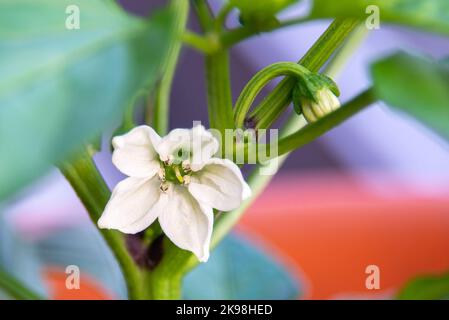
[316, 97]
[324, 103]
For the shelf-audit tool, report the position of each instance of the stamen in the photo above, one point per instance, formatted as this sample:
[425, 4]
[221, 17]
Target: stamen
[164, 187]
[187, 180]
[161, 174]
[186, 166]
[178, 175]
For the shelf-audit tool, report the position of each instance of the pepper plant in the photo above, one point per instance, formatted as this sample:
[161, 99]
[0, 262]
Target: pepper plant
[61, 88]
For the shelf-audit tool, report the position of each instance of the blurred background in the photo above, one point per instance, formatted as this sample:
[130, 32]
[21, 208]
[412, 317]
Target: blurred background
[374, 191]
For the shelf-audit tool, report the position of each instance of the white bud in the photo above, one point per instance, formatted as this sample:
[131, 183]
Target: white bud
[326, 103]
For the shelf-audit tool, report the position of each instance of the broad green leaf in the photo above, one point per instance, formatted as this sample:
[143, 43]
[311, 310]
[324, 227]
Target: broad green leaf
[416, 85]
[60, 87]
[239, 270]
[430, 15]
[84, 247]
[426, 288]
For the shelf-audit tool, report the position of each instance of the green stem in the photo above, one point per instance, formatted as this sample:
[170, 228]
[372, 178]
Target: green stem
[207, 45]
[279, 98]
[316, 129]
[259, 81]
[354, 41]
[222, 15]
[219, 97]
[312, 131]
[234, 36]
[204, 14]
[15, 288]
[93, 192]
[180, 9]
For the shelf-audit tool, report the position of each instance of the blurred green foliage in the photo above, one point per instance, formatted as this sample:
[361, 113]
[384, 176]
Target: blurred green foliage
[59, 87]
[426, 288]
[417, 86]
[430, 15]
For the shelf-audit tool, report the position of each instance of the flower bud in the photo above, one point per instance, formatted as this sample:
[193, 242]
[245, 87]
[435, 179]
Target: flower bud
[325, 102]
[316, 97]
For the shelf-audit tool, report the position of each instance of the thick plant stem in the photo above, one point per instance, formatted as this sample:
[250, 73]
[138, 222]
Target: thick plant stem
[165, 281]
[219, 97]
[278, 100]
[93, 192]
[180, 9]
[16, 289]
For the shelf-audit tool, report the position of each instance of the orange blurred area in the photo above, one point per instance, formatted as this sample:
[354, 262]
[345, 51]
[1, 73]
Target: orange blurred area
[332, 228]
[89, 289]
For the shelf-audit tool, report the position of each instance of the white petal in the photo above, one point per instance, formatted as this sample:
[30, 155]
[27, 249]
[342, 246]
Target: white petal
[204, 146]
[187, 223]
[196, 144]
[130, 208]
[135, 154]
[220, 184]
[176, 139]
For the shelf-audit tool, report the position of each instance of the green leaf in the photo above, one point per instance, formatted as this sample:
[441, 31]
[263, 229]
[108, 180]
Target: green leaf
[83, 246]
[20, 266]
[426, 288]
[260, 13]
[416, 85]
[428, 15]
[60, 88]
[239, 270]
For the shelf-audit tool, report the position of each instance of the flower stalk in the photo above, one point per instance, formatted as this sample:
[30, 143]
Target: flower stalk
[93, 192]
[180, 9]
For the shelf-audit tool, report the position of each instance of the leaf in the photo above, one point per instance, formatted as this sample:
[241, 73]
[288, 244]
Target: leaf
[19, 258]
[417, 86]
[84, 247]
[426, 288]
[60, 88]
[239, 270]
[428, 15]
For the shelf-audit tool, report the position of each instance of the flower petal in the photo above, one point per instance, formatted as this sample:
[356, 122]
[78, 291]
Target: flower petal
[130, 208]
[204, 146]
[175, 140]
[187, 223]
[196, 145]
[220, 184]
[134, 153]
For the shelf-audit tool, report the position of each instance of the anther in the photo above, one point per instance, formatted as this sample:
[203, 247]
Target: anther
[164, 186]
[161, 174]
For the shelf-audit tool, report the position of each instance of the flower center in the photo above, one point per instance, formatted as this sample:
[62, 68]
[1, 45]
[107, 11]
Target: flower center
[174, 173]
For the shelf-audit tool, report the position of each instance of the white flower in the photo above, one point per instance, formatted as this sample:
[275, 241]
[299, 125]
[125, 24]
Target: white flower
[326, 102]
[174, 179]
